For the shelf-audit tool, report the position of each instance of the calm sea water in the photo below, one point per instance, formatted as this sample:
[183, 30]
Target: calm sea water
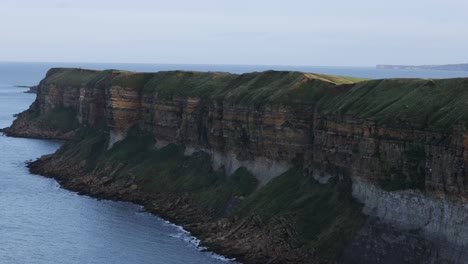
[42, 223]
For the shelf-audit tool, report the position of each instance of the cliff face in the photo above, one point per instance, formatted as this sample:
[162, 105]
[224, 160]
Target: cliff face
[402, 144]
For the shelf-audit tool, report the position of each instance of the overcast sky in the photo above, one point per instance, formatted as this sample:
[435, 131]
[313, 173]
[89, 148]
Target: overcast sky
[265, 32]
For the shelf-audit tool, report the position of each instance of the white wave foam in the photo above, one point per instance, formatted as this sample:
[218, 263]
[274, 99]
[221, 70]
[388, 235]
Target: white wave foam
[195, 242]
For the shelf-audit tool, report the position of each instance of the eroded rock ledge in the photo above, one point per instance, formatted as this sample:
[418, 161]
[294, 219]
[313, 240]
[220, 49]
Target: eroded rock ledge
[290, 158]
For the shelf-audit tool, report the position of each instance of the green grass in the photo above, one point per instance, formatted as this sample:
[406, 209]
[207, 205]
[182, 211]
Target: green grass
[405, 103]
[132, 80]
[325, 216]
[88, 145]
[187, 83]
[58, 119]
[74, 77]
[168, 170]
[159, 170]
[269, 87]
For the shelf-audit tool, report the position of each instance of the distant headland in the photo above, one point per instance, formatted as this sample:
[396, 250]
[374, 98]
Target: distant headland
[447, 67]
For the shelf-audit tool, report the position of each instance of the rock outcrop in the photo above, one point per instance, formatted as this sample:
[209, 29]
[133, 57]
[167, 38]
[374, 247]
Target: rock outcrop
[401, 142]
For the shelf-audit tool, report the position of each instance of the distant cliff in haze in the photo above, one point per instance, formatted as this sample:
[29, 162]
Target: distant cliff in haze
[446, 67]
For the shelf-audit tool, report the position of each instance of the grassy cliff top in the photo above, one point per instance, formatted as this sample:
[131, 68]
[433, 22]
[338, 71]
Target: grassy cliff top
[249, 88]
[434, 104]
[72, 77]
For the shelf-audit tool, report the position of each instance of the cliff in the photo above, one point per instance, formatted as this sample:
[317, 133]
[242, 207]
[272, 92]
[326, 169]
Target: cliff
[446, 67]
[270, 167]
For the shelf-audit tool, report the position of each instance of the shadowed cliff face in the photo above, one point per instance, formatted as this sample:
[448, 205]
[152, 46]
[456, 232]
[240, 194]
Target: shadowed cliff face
[401, 141]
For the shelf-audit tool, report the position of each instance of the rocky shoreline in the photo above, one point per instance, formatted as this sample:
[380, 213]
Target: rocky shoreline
[229, 237]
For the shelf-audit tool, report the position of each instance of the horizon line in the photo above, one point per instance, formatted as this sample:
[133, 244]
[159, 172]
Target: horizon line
[220, 64]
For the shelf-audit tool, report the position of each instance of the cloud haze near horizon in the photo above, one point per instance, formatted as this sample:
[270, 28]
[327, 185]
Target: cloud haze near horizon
[295, 32]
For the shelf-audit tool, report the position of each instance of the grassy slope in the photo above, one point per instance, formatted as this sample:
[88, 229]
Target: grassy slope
[159, 170]
[250, 88]
[74, 77]
[324, 217]
[406, 103]
[58, 119]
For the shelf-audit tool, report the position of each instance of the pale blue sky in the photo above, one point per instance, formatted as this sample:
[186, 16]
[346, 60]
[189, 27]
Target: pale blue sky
[288, 32]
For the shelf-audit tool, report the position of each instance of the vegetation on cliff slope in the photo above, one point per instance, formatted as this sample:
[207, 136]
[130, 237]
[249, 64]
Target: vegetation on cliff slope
[72, 77]
[323, 217]
[159, 170]
[247, 89]
[61, 119]
[269, 87]
[424, 104]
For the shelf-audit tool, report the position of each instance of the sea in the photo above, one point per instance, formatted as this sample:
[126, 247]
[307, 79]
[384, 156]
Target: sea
[42, 223]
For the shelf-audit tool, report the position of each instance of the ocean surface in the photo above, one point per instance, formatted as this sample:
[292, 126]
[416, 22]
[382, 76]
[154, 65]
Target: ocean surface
[42, 223]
